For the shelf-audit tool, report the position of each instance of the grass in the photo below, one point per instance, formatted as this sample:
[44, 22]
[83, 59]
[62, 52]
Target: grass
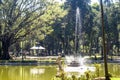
[115, 78]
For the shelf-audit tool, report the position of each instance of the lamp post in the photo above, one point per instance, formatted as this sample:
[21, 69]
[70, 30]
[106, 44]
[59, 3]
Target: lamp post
[63, 33]
[104, 47]
[21, 51]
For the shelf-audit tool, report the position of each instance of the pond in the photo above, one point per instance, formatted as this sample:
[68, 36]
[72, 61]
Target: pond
[27, 72]
[42, 72]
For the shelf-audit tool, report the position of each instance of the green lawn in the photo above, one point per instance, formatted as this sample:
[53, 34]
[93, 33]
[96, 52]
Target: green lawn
[115, 78]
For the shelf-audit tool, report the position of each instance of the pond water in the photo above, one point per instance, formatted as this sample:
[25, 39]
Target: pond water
[42, 72]
[27, 72]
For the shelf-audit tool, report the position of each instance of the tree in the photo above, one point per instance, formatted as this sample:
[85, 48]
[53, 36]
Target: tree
[103, 39]
[85, 16]
[17, 19]
[54, 19]
[111, 18]
[95, 37]
[111, 23]
[49, 35]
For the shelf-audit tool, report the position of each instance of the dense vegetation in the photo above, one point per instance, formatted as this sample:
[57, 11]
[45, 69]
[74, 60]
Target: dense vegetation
[52, 25]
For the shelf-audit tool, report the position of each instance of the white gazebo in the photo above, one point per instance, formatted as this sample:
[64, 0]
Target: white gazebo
[37, 48]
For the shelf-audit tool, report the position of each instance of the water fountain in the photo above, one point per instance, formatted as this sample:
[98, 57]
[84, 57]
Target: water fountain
[75, 63]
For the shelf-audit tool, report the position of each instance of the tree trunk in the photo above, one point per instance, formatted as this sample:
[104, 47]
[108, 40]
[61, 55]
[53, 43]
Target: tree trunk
[0, 49]
[102, 54]
[5, 46]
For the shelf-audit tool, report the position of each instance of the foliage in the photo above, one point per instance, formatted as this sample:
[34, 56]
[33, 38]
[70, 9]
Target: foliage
[52, 24]
[70, 20]
[111, 22]
[97, 66]
[18, 19]
[88, 75]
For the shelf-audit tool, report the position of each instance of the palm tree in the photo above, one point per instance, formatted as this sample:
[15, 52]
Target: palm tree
[104, 47]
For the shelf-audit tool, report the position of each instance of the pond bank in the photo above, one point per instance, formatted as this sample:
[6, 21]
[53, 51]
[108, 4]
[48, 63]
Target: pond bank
[5, 62]
[47, 60]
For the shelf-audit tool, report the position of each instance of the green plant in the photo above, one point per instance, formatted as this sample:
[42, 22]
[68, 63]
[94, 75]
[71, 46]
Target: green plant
[97, 66]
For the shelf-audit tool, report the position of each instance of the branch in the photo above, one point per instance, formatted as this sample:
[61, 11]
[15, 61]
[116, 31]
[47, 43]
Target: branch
[19, 38]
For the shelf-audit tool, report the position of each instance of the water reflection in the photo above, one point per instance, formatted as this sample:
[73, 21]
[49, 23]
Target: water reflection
[42, 72]
[27, 72]
[37, 71]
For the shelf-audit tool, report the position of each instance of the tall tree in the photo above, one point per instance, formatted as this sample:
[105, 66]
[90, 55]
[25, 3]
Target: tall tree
[111, 23]
[17, 19]
[103, 41]
[54, 40]
[85, 16]
[96, 30]
[50, 33]
[111, 15]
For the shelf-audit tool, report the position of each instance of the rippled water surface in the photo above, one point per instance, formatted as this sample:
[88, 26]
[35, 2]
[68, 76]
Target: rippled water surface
[42, 72]
[27, 72]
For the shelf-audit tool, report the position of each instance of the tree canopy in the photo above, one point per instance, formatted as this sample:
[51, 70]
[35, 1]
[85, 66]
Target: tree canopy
[52, 24]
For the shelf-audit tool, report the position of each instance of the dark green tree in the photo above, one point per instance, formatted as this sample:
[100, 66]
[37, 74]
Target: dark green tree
[51, 34]
[17, 19]
[86, 21]
[54, 41]
[111, 23]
